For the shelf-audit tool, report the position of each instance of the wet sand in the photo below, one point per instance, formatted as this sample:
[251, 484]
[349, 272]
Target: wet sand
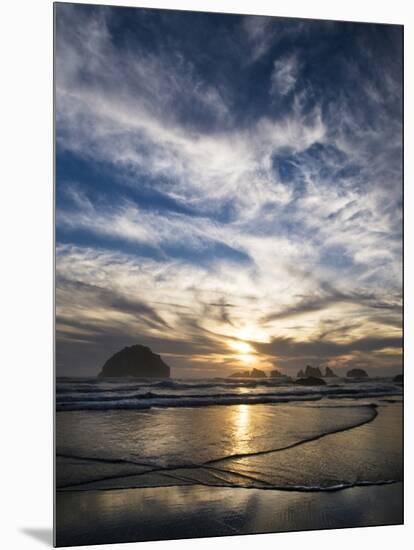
[98, 517]
[326, 466]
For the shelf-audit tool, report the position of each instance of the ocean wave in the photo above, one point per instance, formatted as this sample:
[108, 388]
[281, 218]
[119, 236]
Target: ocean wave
[151, 400]
[330, 391]
[115, 385]
[172, 402]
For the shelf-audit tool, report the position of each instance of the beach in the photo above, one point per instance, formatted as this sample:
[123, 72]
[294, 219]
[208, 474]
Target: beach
[99, 517]
[140, 463]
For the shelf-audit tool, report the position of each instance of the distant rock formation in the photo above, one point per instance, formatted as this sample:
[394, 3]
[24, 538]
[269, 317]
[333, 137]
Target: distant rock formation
[310, 372]
[310, 381]
[256, 373]
[313, 372]
[136, 361]
[399, 379]
[329, 373]
[239, 375]
[357, 373]
[277, 374]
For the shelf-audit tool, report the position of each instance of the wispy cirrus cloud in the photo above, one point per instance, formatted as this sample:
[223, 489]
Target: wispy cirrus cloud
[284, 75]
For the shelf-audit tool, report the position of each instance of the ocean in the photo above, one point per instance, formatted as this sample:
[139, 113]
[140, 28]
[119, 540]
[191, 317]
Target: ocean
[114, 433]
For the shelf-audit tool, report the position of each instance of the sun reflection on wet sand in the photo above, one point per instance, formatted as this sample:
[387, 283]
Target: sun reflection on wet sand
[242, 429]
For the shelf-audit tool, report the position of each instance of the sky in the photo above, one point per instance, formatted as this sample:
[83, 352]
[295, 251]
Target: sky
[228, 191]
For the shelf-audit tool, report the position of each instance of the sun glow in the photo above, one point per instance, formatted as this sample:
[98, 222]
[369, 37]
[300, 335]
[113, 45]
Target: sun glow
[245, 358]
[241, 347]
[245, 353]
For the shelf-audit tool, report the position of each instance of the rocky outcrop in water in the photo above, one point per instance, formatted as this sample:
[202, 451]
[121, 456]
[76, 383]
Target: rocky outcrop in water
[310, 372]
[277, 374]
[255, 373]
[313, 371]
[239, 374]
[329, 373]
[357, 373]
[135, 361]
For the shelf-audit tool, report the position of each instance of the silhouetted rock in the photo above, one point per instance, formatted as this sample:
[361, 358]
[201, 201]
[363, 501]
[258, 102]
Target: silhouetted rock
[256, 373]
[313, 372]
[399, 379]
[137, 361]
[329, 373]
[310, 381]
[357, 373]
[277, 374]
[239, 375]
[310, 372]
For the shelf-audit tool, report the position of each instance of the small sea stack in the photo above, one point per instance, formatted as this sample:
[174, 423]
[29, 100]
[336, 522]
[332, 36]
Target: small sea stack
[277, 374]
[254, 373]
[310, 372]
[329, 373]
[257, 373]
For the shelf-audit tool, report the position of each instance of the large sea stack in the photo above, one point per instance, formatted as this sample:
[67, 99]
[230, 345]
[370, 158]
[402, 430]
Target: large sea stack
[136, 361]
